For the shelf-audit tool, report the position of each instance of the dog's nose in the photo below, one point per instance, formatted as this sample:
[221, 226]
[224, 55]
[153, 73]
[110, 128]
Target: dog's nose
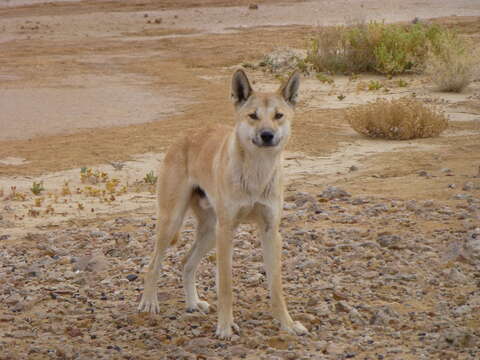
[267, 136]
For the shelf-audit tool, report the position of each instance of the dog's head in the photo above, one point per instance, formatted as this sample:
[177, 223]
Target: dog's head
[263, 119]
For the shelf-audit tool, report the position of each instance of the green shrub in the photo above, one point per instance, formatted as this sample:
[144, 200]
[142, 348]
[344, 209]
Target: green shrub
[383, 48]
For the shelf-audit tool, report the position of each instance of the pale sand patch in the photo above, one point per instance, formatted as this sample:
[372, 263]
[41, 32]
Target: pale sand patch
[13, 161]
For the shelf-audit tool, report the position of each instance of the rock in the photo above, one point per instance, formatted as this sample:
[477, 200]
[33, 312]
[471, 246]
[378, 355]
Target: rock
[422, 173]
[458, 337]
[353, 168]
[74, 332]
[335, 349]
[389, 241]
[132, 277]
[200, 346]
[333, 192]
[4, 237]
[253, 7]
[447, 171]
[288, 205]
[468, 186]
[91, 263]
[238, 351]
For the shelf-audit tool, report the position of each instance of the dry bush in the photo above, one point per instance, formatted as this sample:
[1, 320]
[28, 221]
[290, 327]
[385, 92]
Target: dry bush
[451, 63]
[399, 119]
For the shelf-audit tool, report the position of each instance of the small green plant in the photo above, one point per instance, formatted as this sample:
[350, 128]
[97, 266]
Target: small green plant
[374, 85]
[402, 83]
[37, 188]
[150, 178]
[324, 79]
[341, 97]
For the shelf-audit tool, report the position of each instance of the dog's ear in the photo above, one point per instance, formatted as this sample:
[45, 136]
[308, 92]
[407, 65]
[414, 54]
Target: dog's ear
[241, 89]
[289, 90]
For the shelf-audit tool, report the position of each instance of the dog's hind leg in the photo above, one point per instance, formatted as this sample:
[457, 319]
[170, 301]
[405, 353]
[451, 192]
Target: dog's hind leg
[174, 194]
[204, 242]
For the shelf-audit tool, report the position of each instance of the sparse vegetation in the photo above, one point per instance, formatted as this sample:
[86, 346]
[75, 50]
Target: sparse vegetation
[399, 119]
[150, 178]
[325, 79]
[402, 83]
[373, 47]
[374, 85]
[37, 188]
[452, 57]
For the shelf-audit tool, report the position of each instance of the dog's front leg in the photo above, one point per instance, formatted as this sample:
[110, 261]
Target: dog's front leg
[272, 250]
[224, 240]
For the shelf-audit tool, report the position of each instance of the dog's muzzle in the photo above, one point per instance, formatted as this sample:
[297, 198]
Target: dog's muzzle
[266, 138]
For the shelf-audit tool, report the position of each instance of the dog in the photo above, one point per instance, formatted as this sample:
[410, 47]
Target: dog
[228, 176]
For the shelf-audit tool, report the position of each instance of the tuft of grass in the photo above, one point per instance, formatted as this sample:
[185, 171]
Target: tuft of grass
[402, 83]
[452, 57]
[324, 79]
[150, 178]
[400, 119]
[37, 188]
[373, 47]
[374, 85]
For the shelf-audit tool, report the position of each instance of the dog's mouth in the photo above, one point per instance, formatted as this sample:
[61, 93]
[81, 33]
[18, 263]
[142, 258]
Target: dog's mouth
[269, 144]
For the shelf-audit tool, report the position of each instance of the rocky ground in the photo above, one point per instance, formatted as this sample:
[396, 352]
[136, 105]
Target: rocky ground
[381, 238]
[370, 277]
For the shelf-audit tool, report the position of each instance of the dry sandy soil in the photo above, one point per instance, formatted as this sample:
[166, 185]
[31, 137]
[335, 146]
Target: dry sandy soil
[381, 238]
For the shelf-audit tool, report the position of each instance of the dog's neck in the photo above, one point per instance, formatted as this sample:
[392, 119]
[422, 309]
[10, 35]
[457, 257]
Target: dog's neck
[255, 171]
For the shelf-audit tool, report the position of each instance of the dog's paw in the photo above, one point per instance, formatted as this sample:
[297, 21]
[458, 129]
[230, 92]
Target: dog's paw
[200, 306]
[225, 332]
[296, 328]
[149, 303]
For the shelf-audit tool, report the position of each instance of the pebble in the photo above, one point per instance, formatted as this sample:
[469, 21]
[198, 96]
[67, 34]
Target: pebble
[333, 192]
[132, 277]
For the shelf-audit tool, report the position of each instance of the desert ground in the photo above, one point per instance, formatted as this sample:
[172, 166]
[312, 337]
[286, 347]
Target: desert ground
[381, 238]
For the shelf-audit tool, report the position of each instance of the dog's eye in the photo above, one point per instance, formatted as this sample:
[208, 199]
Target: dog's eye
[278, 116]
[253, 116]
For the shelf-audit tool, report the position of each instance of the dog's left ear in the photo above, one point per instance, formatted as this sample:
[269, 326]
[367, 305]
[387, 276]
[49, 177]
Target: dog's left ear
[289, 90]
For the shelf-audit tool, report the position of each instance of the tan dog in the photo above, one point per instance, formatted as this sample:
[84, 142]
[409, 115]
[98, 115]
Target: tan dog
[228, 176]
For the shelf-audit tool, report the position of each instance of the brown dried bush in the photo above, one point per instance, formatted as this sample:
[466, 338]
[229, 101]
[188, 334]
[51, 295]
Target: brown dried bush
[399, 119]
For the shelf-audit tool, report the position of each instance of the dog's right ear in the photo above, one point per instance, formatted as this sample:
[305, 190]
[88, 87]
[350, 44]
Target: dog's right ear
[241, 89]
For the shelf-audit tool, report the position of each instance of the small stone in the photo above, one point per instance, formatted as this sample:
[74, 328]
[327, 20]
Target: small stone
[253, 7]
[389, 241]
[468, 186]
[333, 192]
[238, 351]
[74, 332]
[422, 173]
[132, 277]
[353, 168]
[334, 349]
